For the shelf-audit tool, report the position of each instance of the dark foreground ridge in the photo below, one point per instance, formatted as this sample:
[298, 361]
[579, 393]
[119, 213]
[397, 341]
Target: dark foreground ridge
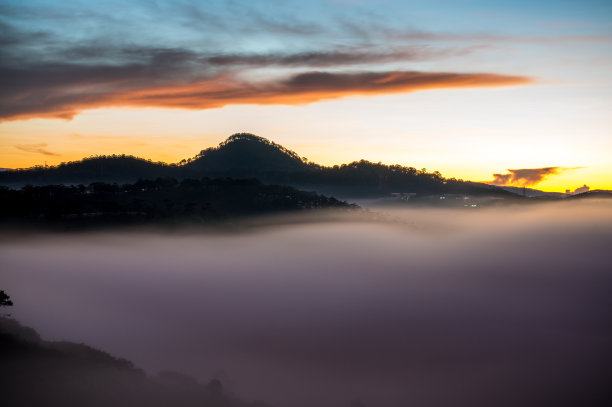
[245, 155]
[194, 201]
[34, 372]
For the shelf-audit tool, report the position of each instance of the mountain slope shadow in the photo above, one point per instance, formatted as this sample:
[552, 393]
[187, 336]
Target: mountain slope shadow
[34, 372]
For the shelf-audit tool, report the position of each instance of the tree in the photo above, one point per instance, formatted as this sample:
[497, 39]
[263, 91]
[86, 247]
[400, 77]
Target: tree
[5, 300]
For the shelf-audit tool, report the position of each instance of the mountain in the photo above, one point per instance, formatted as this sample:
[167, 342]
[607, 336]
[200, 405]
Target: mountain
[115, 168]
[34, 372]
[530, 192]
[245, 155]
[536, 193]
[596, 193]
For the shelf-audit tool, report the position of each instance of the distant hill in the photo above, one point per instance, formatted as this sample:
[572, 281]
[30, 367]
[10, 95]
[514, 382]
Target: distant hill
[596, 193]
[34, 372]
[114, 168]
[530, 192]
[535, 193]
[245, 155]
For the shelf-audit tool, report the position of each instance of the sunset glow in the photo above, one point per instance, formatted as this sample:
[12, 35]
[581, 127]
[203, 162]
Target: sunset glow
[469, 90]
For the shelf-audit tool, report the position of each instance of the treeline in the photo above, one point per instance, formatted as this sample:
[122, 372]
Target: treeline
[195, 200]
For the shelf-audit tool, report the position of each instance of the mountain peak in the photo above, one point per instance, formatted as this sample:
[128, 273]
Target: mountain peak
[250, 137]
[242, 151]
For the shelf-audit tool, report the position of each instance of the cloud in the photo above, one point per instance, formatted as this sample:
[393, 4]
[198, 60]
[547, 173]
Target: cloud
[339, 57]
[582, 189]
[99, 54]
[37, 148]
[48, 70]
[317, 58]
[490, 38]
[526, 176]
[63, 90]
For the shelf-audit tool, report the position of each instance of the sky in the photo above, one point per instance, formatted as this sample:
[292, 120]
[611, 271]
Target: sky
[516, 93]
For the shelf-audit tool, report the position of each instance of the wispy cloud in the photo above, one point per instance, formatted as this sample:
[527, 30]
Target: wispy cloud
[38, 148]
[208, 59]
[527, 176]
[61, 91]
[490, 38]
[337, 57]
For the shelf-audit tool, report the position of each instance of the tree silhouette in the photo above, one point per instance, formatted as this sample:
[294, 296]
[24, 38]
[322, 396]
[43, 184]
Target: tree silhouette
[5, 300]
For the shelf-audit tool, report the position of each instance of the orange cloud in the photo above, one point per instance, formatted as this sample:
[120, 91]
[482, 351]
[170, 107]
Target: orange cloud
[62, 94]
[582, 189]
[526, 176]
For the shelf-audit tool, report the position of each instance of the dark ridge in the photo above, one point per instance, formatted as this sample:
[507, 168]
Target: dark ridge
[34, 372]
[597, 193]
[164, 200]
[101, 168]
[530, 192]
[245, 155]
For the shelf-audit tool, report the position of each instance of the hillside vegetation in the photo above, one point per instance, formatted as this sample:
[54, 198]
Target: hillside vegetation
[146, 201]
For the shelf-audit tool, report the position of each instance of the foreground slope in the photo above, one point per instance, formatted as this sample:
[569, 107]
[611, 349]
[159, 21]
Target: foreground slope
[34, 372]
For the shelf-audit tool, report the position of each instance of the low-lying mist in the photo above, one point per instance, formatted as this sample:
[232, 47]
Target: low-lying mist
[419, 307]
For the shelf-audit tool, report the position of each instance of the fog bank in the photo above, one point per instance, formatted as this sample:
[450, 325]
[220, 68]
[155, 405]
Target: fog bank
[505, 306]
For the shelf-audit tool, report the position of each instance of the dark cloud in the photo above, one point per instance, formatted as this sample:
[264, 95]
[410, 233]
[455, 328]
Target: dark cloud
[308, 58]
[100, 53]
[38, 148]
[62, 91]
[349, 56]
[10, 37]
[527, 176]
[44, 74]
